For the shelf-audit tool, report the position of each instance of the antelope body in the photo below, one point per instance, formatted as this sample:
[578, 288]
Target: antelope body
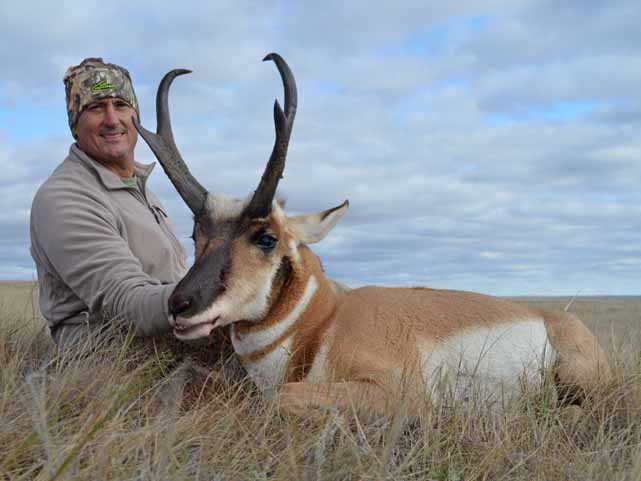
[314, 343]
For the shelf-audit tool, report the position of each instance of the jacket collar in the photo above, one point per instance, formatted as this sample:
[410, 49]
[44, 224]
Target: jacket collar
[107, 177]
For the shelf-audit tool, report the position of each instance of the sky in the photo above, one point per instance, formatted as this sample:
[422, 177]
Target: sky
[491, 146]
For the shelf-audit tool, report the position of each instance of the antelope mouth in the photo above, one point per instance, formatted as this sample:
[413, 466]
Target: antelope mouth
[195, 331]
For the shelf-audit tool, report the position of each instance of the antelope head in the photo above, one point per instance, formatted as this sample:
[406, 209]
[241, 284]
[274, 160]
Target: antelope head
[245, 250]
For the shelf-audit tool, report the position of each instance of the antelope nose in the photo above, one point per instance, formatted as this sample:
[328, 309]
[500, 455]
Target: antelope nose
[178, 305]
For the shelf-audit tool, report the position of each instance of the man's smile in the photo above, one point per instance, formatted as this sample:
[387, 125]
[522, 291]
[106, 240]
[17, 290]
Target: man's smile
[110, 136]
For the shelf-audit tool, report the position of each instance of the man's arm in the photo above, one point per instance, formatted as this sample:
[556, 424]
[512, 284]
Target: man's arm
[80, 238]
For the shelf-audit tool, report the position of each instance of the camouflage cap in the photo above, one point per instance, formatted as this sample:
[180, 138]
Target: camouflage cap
[94, 80]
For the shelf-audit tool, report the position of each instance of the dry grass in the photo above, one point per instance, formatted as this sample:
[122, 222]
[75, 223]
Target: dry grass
[616, 321]
[133, 410]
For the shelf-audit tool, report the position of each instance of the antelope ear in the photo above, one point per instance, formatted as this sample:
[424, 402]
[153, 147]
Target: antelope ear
[314, 227]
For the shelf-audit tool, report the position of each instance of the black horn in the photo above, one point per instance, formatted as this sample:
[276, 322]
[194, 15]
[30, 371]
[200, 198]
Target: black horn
[261, 202]
[164, 148]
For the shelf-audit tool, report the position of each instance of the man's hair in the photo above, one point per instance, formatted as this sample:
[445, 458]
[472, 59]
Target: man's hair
[93, 80]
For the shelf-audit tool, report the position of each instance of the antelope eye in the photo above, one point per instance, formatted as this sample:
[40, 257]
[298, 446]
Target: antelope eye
[266, 241]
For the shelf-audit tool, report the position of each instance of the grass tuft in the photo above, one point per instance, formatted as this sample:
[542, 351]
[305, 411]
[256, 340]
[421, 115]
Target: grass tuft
[142, 409]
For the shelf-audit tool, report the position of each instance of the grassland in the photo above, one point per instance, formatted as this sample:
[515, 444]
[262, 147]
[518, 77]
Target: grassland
[137, 409]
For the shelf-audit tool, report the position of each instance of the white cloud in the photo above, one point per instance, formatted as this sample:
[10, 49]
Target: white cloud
[488, 146]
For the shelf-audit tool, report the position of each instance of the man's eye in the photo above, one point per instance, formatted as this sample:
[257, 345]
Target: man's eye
[266, 241]
[122, 105]
[94, 107]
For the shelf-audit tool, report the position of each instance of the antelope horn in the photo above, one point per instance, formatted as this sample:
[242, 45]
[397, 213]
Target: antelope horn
[261, 202]
[164, 148]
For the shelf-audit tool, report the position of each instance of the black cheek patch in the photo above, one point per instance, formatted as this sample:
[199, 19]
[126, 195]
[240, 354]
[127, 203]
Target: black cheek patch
[284, 271]
[281, 280]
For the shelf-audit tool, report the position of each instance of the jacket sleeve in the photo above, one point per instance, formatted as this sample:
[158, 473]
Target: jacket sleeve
[79, 236]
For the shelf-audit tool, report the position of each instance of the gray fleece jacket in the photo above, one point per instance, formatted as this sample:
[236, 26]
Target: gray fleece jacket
[103, 250]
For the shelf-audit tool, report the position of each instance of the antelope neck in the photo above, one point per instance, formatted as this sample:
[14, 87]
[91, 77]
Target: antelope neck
[253, 341]
[285, 343]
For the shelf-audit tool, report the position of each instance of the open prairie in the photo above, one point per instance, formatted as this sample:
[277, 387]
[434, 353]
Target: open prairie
[139, 409]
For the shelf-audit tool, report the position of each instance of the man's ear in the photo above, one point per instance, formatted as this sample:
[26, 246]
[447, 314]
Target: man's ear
[314, 227]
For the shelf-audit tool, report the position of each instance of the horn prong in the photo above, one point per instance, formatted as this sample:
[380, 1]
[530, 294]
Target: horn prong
[260, 204]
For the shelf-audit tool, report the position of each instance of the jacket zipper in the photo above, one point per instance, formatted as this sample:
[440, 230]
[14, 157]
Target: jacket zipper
[142, 196]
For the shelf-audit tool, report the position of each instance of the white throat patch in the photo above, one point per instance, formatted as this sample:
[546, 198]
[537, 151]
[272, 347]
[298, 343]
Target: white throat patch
[267, 371]
[259, 340]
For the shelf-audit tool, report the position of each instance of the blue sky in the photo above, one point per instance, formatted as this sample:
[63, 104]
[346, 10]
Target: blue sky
[490, 146]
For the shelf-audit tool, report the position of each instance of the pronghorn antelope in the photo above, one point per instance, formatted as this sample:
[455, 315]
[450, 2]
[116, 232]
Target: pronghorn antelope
[304, 338]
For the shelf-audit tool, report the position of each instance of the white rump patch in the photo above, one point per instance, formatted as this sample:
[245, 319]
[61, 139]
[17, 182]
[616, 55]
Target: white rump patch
[495, 363]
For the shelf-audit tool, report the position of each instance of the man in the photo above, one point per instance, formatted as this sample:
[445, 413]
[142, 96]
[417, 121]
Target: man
[102, 243]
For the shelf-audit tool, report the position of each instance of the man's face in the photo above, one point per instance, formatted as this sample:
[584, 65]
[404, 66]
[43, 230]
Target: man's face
[106, 133]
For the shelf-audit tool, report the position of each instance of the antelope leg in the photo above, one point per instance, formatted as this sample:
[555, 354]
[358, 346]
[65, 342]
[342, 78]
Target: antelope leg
[299, 398]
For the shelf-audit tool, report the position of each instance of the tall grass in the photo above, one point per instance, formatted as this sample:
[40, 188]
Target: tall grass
[137, 409]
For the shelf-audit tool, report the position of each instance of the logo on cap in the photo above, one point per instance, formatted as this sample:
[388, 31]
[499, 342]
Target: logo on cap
[102, 86]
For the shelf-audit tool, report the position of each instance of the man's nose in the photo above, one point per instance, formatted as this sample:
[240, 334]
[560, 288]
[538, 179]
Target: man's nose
[111, 118]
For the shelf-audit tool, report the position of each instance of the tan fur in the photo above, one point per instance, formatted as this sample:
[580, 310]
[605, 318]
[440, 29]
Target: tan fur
[374, 337]
[307, 333]
[581, 360]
